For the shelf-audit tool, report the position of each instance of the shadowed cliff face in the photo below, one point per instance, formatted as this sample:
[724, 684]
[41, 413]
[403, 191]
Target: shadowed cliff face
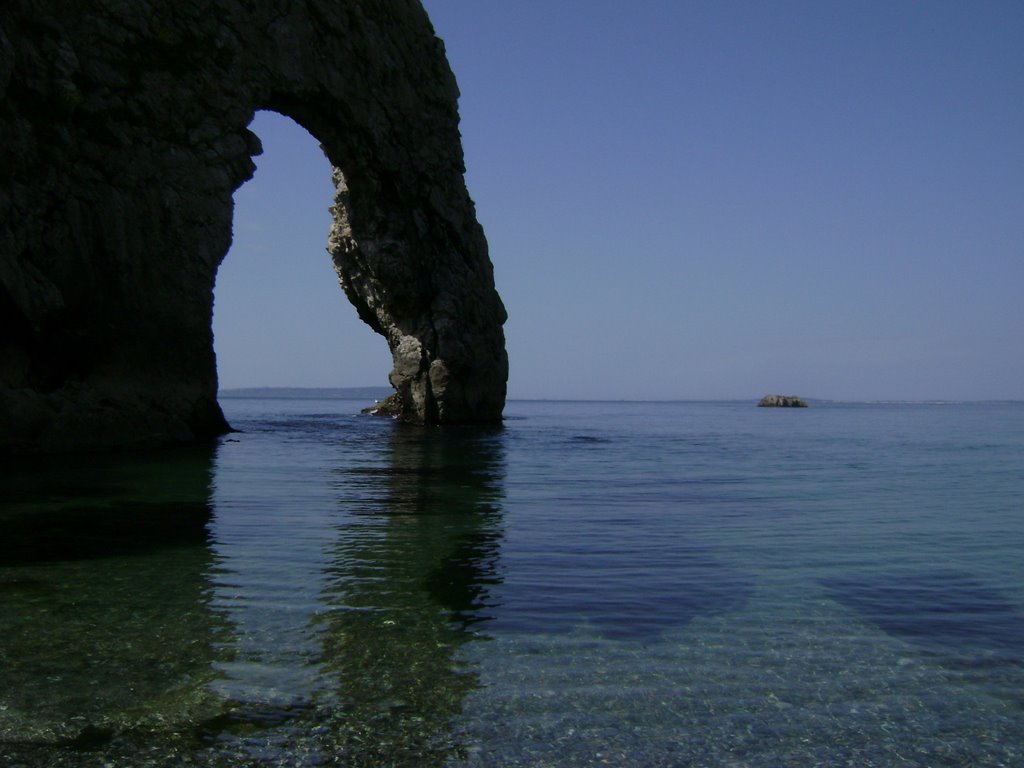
[123, 137]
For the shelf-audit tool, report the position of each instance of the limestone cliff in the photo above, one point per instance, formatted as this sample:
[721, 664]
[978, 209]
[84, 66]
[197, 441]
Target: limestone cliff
[122, 139]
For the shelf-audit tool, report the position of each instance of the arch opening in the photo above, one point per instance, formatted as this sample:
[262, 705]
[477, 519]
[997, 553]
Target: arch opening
[280, 318]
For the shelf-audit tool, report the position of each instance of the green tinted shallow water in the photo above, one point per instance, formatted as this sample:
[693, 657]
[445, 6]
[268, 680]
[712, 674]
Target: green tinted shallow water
[593, 584]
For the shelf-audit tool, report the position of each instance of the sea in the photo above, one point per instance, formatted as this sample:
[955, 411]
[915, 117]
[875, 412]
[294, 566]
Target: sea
[588, 584]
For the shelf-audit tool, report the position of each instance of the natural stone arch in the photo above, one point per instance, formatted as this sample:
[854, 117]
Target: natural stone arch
[124, 126]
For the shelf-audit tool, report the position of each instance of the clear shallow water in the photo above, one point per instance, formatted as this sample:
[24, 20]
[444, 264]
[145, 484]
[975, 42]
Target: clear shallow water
[706, 584]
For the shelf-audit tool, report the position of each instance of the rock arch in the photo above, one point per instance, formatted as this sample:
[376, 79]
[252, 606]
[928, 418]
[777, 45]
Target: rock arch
[123, 126]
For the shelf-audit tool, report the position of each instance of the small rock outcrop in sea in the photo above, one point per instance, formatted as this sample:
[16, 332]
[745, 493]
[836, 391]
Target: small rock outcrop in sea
[782, 401]
[123, 136]
[389, 406]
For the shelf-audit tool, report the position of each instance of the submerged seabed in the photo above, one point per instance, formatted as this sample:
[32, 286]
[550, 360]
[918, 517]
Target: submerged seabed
[705, 584]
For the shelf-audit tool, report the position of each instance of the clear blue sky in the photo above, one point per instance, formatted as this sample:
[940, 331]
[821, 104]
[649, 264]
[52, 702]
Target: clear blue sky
[695, 200]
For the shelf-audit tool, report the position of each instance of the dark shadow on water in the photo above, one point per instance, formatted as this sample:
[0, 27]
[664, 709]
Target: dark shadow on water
[55, 509]
[462, 580]
[943, 611]
[635, 592]
[410, 584]
[589, 440]
[113, 598]
[91, 531]
[107, 629]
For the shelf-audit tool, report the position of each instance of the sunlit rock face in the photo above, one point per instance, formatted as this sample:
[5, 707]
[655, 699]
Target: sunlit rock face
[122, 139]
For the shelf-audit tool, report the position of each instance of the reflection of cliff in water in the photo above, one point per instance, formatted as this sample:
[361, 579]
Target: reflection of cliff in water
[408, 585]
[104, 597]
[145, 617]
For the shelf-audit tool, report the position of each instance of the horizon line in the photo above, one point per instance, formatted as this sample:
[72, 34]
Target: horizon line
[236, 392]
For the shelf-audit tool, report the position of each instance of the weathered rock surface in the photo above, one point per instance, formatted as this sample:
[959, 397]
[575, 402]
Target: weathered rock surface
[389, 406]
[122, 139]
[782, 401]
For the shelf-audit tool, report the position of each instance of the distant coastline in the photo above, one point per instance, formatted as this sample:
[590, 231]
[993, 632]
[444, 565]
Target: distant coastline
[308, 393]
[379, 393]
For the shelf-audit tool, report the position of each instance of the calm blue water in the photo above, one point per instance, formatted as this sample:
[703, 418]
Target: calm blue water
[625, 584]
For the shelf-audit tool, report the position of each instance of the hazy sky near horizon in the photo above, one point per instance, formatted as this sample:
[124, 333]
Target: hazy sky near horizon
[694, 200]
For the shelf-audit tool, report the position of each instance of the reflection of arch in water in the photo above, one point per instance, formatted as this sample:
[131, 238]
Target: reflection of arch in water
[119, 640]
[408, 583]
[104, 593]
